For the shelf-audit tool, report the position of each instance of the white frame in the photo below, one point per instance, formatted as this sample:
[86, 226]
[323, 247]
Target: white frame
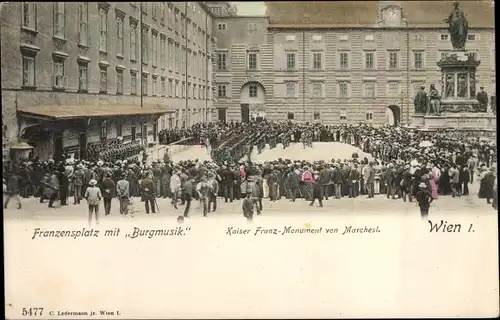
[221, 61]
[314, 85]
[83, 85]
[365, 89]
[31, 76]
[389, 90]
[30, 14]
[294, 64]
[119, 81]
[103, 80]
[347, 53]
[256, 90]
[342, 114]
[221, 90]
[389, 60]
[154, 48]
[348, 89]
[249, 55]
[103, 30]
[290, 89]
[133, 83]
[343, 37]
[58, 64]
[59, 17]
[314, 55]
[373, 60]
[120, 50]
[369, 37]
[154, 85]
[414, 58]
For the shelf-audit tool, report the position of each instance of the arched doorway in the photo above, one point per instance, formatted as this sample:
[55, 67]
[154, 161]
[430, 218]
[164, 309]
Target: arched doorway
[393, 115]
[252, 101]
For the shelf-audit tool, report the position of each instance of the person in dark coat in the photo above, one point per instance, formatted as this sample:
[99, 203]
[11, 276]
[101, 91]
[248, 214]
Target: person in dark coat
[464, 180]
[317, 191]
[486, 186]
[148, 190]
[424, 199]
[292, 183]
[107, 190]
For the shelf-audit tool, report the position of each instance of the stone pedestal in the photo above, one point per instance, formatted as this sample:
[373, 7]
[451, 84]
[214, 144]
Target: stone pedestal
[479, 123]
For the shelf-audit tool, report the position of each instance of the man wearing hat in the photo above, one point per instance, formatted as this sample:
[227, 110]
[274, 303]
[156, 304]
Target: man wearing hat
[424, 199]
[123, 193]
[93, 196]
[78, 178]
[148, 192]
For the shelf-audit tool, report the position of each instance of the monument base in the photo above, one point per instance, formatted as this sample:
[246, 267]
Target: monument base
[480, 123]
[461, 105]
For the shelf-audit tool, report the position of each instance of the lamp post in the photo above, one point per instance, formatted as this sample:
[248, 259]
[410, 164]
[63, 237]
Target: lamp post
[407, 93]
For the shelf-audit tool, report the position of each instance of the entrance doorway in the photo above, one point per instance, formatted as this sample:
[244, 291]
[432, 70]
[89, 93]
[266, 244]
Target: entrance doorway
[58, 146]
[155, 129]
[82, 142]
[245, 112]
[393, 115]
[222, 115]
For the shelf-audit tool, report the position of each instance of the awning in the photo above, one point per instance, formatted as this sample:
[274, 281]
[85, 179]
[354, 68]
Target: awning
[62, 112]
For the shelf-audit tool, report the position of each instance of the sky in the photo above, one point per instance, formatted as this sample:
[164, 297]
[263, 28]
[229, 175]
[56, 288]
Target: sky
[250, 8]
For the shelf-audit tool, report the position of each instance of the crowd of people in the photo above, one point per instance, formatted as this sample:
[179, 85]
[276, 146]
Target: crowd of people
[406, 164]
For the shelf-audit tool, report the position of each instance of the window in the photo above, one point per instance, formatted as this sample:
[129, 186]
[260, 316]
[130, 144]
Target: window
[317, 38]
[290, 61]
[317, 90]
[176, 88]
[369, 60]
[183, 90]
[343, 89]
[252, 27]
[418, 59]
[119, 81]
[393, 60]
[170, 88]
[343, 115]
[83, 8]
[194, 91]
[394, 89]
[153, 9]
[221, 26]
[290, 116]
[103, 27]
[144, 85]
[344, 60]
[59, 79]
[103, 87]
[154, 49]
[369, 116]
[28, 71]
[155, 84]
[221, 90]
[252, 61]
[59, 19]
[444, 37]
[134, 45]
[473, 55]
[119, 35]
[162, 51]
[162, 13]
[290, 89]
[369, 89]
[252, 91]
[221, 61]
[418, 37]
[317, 115]
[317, 63]
[290, 38]
[344, 37]
[133, 83]
[29, 15]
[83, 76]
[144, 44]
[471, 37]
[369, 37]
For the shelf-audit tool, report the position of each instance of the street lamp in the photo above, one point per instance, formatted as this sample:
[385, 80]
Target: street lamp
[407, 93]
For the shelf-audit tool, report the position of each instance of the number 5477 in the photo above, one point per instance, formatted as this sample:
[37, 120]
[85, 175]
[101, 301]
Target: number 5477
[32, 312]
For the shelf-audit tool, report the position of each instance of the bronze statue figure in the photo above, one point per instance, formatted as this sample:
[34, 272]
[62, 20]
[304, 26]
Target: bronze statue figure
[462, 86]
[458, 27]
[420, 101]
[449, 86]
[434, 101]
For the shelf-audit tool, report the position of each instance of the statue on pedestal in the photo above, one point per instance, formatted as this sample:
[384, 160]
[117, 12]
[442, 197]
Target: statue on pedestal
[458, 27]
[434, 101]
[449, 86]
[462, 86]
[482, 97]
[420, 101]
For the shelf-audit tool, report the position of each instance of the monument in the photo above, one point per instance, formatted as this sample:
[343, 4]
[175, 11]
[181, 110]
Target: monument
[457, 106]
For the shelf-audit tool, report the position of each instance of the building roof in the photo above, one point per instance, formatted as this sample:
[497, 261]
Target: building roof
[480, 13]
[53, 112]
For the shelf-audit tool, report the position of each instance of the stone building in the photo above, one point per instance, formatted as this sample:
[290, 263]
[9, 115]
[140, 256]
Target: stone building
[72, 72]
[341, 62]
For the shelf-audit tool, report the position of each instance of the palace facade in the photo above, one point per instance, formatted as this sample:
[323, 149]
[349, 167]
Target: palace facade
[341, 62]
